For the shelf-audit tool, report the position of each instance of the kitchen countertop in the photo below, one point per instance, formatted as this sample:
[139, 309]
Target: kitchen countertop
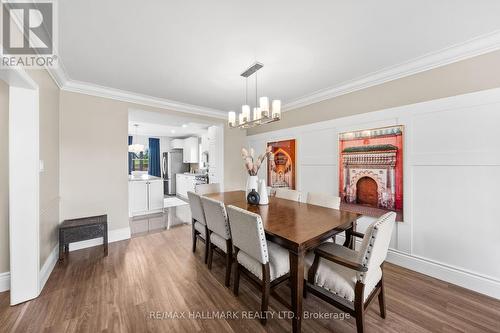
[142, 178]
[193, 174]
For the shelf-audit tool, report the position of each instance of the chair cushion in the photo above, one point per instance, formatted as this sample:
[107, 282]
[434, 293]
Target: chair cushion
[218, 241]
[200, 228]
[337, 279]
[279, 263]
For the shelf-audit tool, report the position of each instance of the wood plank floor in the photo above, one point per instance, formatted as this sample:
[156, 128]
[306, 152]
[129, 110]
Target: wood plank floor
[157, 272]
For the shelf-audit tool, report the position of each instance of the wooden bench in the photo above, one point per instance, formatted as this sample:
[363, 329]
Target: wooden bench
[76, 230]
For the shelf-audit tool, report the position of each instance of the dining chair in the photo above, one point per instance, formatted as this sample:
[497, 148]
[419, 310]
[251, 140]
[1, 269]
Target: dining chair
[288, 194]
[265, 263]
[198, 225]
[202, 189]
[219, 233]
[324, 200]
[350, 279]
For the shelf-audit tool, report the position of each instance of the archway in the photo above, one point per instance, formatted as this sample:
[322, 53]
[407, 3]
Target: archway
[367, 192]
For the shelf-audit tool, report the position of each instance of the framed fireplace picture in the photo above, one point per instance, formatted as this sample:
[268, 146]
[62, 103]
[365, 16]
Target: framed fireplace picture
[281, 165]
[371, 170]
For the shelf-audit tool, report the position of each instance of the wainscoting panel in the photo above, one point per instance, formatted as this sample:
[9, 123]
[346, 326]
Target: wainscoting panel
[456, 218]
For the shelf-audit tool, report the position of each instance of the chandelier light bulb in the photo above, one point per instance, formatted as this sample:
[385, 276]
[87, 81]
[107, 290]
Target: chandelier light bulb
[276, 108]
[245, 111]
[231, 118]
[256, 113]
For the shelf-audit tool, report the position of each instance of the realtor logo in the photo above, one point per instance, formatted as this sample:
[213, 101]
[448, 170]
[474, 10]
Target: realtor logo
[28, 33]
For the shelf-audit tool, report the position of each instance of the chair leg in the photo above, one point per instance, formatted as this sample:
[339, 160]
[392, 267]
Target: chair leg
[236, 276]
[229, 261]
[381, 299]
[359, 306]
[207, 242]
[210, 254]
[266, 289]
[194, 236]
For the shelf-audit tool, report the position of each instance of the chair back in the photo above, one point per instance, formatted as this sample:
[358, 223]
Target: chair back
[196, 207]
[323, 199]
[202, 189]
[375, 245]
[216, 217]
[285, 193]
[248, 233]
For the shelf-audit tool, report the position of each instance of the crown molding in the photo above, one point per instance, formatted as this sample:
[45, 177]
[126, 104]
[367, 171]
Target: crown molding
[471, 48]
[62, 80]
[131, 97]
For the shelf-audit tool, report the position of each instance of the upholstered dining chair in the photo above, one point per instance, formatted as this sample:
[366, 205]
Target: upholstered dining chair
[202, 189]
[350, 279]
[285, 193]
[323, 200]
[219, 232]
[198, 225]
[265, 263]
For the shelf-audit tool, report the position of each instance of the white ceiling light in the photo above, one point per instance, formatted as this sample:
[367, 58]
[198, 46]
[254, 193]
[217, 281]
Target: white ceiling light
[135, 148]
[262, 114]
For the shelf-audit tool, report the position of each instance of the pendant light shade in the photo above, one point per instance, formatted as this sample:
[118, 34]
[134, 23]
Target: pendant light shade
[262, 112]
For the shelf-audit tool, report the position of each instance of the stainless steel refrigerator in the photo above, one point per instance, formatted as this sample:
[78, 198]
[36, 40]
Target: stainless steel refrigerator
[171, 164]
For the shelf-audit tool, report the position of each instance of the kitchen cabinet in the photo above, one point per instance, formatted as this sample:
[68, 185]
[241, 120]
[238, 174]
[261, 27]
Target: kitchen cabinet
[214, 140]
[177, 144]
[185, 183]
[190, 154]
[204, 143]
[145, 197]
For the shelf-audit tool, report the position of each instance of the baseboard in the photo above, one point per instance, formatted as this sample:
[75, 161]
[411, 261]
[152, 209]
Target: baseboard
[4, 281]
[113, 236]
[460, 277]
[48, 266]
[469, 280]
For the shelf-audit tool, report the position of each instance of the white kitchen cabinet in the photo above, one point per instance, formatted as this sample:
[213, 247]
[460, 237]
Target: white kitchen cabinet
[190, 154]
[156, 195]
[177, 144]
[180, 185]
[185, 183]
[214, 145]
[204, 143]
[145, 197]
[138, 194]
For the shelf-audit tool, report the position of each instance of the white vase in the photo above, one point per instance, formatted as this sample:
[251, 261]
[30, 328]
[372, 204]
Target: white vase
[252, 184]
[264, 198]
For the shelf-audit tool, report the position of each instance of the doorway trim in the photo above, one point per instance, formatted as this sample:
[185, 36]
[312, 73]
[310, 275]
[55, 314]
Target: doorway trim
[24, 187]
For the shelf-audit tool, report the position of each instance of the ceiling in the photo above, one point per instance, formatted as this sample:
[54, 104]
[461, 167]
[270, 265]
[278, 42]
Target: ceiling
[193, 51]
[157, 124]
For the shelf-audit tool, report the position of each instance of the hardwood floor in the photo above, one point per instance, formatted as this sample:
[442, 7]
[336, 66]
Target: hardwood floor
[158, 272]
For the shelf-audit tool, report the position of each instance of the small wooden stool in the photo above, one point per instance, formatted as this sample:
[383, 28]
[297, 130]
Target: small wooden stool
[81, 229]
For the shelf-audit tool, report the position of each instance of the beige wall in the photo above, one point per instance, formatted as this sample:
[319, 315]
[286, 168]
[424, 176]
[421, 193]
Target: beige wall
[478, 73]
[49, 154]
[94, 171]
[4, 177]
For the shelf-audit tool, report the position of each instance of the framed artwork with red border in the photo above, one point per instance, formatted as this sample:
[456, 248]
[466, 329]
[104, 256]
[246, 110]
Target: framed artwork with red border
[371, 169]
[281, 167]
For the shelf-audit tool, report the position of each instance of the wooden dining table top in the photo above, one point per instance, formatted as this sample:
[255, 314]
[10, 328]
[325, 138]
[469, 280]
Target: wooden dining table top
[295, 225]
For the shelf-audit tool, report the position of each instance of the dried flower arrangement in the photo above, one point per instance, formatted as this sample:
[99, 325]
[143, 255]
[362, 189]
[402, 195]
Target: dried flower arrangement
[252, 165]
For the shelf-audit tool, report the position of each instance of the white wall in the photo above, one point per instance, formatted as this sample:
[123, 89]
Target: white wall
[451, 178]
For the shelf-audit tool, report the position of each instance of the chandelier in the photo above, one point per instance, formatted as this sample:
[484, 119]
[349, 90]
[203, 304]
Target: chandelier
[262, 114]
[135, 148]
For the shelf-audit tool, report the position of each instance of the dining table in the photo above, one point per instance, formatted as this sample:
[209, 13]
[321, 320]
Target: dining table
[299, 227]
